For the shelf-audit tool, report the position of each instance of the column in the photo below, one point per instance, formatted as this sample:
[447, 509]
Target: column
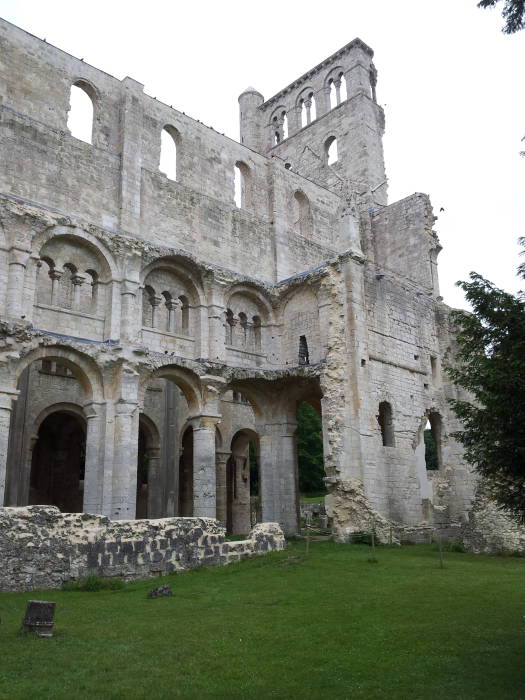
[15, 282]
[308, 105]
[94, 463]
[221, 486]
[278, 475]
[155, 301]
[5, 421]
[55, 279]
[124, 496]
[77, 281]
[129, 310]
[204, 480]
[131, 154]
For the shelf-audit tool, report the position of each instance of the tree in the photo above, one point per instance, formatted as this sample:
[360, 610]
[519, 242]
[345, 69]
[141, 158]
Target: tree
[513, 12]
[309, 450]
[492, 368]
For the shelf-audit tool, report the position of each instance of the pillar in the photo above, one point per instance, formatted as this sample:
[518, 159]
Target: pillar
[278, 475]
[124, 496]
[131, 154]
[130, 312]
[15, 282]
[5, 422]
[95, 414]
[221, 486]
[204, 479]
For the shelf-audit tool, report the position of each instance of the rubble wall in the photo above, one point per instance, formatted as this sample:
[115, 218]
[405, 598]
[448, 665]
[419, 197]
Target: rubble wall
[40, 547]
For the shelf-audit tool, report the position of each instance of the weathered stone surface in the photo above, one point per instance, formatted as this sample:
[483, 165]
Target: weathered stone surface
[490, 530]
[41, 547]
[160, 592]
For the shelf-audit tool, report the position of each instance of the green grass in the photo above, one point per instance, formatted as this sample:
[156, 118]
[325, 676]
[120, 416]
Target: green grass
[329, 626]
[315, 498]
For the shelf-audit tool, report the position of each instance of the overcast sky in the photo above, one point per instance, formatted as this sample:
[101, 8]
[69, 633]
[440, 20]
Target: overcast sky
[451, 83]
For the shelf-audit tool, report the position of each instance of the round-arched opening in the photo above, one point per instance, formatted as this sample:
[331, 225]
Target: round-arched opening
[243, 508]
[57, 465]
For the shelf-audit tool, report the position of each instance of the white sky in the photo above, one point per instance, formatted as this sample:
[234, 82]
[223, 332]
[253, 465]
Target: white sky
[450, 82]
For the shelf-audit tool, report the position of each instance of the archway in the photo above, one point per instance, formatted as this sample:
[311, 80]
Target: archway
[186, 474]
[57, 465]
[242, 483]
[148, 486]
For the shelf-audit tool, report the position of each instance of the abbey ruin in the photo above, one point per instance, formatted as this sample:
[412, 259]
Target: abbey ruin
[153, 327]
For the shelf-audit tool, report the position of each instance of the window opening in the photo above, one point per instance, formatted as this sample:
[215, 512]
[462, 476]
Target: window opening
[386, 423]
[80, 117]
[331, 150]
[304, 358]
[168, 153]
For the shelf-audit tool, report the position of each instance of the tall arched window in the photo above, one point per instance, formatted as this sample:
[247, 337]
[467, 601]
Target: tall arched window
[344, 94]
[302, 214]
[243, 185]
[304, 355]
[80, 117]
[330, 149]
[432, 436]
[284, 117]
[185, 314]
[386, 423]
[169, 140]
[333, 95]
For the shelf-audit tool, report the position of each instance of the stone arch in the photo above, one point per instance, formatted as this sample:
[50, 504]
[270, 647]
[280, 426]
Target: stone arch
[63, 407]
[78, 235]
[184, 268]
[240, 481]
[185, 379]
[83, 367]
[81, 118]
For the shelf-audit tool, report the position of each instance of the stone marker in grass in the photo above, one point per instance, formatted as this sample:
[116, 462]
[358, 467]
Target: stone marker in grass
[39, 618]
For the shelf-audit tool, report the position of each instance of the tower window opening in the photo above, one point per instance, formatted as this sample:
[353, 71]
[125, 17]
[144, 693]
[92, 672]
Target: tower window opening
[285, 125]
[242, 185]
[168, 152]
[304, 357]
[432, 436]
[386, 424]
[80, 117]
[333, 95]
[330, 148]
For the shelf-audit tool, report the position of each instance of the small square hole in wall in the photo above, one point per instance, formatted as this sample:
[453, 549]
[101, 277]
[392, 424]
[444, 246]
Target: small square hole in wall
[416, 357]
[425, 386]
[363, 363]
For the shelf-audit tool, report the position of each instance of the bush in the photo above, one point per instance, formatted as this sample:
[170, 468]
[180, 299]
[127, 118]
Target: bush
[94, 583]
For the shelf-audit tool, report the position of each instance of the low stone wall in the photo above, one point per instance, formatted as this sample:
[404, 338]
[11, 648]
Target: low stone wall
[40, 547]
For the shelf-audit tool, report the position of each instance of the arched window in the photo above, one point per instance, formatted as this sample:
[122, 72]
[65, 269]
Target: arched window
[148, 301]
[344, 94]
[386, 423]
[169, 141]
[308, 109]
[276, 131]
[65, 294]
[304, 117]
[88, 292]
[243, 324]
[330, 149]
[284, 118]
[304, 357]
[243, 185]
[333, 95]
[80, 117]
[302, 214]
[432, 436]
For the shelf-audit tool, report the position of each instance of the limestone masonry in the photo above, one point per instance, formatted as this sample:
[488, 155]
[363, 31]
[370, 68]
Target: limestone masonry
[155, 330]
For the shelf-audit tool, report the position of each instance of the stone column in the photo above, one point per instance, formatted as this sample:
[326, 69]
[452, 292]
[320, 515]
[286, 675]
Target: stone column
[18, 260]
[77, 281]
[131, 154]
[308, 105]
[322, 101]
[221, 486]
[129, 310]
[294, 120]
[55, 278]
[204, 480]
[124, 496]
[278, 475]
[94, 464]
[5, 421]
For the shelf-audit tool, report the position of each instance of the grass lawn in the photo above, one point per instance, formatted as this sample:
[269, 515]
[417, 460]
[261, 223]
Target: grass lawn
[332, 625]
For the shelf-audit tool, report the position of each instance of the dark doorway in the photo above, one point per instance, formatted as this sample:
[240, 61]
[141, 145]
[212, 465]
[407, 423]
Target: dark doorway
[57, 466]
[186, 474]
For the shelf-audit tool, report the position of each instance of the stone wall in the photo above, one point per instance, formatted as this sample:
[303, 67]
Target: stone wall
[40, 547]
